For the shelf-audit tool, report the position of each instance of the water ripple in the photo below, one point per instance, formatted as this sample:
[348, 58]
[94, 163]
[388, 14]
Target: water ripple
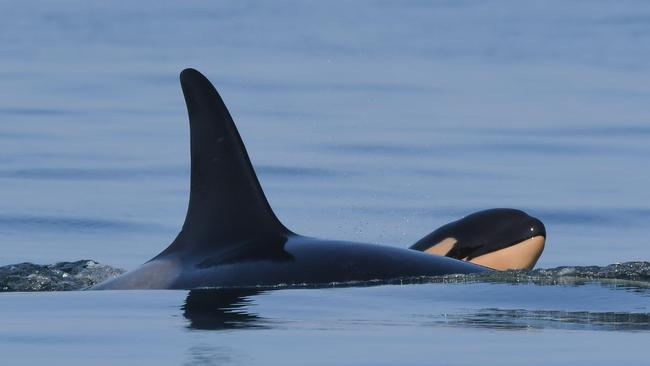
[286, 171]
[523, 319]
[34, 111]
[65, 224]
[90, 173]
[610, 216]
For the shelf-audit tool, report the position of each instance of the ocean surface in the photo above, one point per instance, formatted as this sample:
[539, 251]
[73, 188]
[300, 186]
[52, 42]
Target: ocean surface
[372, 121]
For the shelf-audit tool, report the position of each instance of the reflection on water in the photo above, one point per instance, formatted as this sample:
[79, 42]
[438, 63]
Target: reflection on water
[229, 309]
[221, 309]
[522, 319]
[208, 355]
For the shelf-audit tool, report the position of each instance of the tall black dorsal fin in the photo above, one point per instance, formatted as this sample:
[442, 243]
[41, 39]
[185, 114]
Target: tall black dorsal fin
[227, 205]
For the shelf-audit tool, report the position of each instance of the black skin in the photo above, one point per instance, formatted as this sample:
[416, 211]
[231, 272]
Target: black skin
[232, 238]
[484, 232]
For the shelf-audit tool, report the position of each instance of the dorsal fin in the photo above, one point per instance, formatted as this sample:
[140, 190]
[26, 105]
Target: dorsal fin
[227, 205]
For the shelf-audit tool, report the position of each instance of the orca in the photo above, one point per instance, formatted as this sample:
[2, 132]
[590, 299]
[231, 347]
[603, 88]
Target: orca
[232, 239]
[499, 238]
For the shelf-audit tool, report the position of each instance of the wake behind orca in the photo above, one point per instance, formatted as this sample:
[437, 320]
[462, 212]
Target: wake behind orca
[232, 238]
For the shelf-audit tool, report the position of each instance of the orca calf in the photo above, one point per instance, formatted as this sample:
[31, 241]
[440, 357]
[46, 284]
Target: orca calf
[232, 238]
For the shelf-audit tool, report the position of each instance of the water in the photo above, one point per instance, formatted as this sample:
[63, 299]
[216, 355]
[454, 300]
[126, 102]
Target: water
[413, 325]
[371, 121]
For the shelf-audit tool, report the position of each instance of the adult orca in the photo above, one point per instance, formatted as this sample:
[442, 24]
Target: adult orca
[232, 238]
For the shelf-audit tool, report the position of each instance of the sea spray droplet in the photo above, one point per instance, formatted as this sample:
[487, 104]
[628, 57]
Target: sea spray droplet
[63, 276]
[67, 276]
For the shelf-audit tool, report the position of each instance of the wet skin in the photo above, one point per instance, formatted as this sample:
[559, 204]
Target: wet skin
[232, 238]
[499, 238]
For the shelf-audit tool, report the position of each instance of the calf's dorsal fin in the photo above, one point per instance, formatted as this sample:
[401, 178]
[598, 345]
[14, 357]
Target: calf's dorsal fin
[227, 205]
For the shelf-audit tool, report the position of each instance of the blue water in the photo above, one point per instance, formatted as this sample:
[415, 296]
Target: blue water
[368, 121]
[412, 325]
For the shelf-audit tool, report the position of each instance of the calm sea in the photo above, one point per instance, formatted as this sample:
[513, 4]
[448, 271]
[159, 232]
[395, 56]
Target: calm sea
[373, 121]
